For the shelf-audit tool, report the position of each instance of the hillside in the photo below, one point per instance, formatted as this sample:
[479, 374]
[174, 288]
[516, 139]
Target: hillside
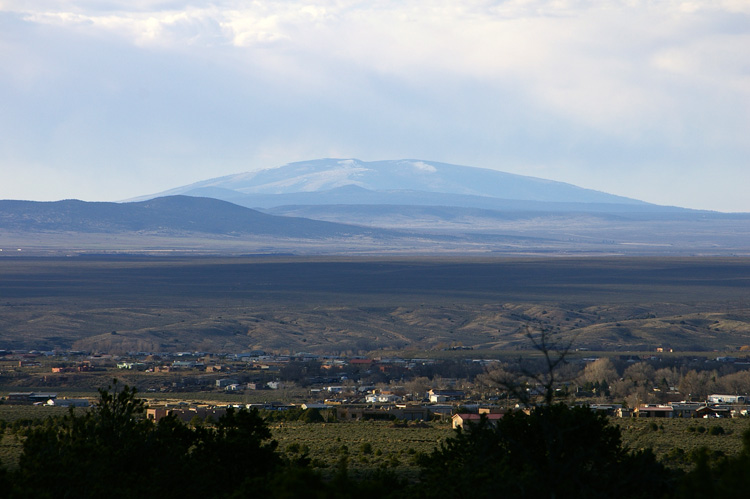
[167, 215]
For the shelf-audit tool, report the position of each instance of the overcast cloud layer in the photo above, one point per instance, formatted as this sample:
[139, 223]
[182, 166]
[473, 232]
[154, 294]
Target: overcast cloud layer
[105, 100]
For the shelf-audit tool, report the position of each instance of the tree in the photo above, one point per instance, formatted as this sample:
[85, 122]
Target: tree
[555, 451]
[725, 476]
[600, 370]
[696, 385]
[84, 455]
[236, 455]
[529, 378]
[549, 450]
[113, 451]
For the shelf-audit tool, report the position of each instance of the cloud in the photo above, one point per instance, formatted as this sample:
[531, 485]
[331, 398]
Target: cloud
[587, 92]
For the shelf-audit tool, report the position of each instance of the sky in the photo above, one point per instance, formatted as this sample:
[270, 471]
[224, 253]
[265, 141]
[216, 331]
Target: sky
[103, 100]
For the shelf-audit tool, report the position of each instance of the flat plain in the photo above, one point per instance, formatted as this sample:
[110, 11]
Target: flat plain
[122, 303]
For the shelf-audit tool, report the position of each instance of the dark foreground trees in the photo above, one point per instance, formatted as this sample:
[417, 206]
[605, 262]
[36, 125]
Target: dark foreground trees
[113, 451]
[719, 477]
[554, 451]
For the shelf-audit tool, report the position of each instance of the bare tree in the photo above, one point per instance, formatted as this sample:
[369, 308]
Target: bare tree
[600, 370]
[526, 383]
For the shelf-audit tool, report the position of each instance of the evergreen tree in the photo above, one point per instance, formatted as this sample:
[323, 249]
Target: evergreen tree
[554, 451]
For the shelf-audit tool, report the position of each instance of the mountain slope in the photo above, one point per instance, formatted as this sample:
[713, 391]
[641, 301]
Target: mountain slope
[355, 195]
[400, 176]
[173, 214]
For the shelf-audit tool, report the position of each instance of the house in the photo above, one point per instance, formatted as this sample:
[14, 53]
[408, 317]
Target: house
[30, 397]
[364, 363]
[713, 411]
[131, 365]
[726, 399]
[439, 396]
[186, 415]
[623, 412]
[411, 412]
[225, 382]
[685, 409]
[440, 411]
[320, 407]
[68, 403]
[459, 420]
[653, 411]
[608, 409]
[156, 413]
[382, 398]
[491, 410]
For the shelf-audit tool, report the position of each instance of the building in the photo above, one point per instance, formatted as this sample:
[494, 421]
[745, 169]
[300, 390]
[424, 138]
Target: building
[225, 382]
[654, 411]
[30, 398]
[382, 398]
[726, 399]
[68, 402]
[439, 396]
[459, 420]
[186, 415]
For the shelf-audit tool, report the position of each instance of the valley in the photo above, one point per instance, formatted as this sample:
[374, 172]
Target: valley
[355, 306]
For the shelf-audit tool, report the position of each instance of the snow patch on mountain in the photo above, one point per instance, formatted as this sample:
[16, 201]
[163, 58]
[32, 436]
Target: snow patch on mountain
[403, 175]
[422, 166]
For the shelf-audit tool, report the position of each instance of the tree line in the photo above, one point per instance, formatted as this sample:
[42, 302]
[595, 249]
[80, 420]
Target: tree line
[551, 450]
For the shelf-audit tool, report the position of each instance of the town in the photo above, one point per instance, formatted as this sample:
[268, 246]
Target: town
[456, 386]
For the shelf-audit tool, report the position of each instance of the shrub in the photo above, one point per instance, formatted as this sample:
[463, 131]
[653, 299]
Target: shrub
[293, 448]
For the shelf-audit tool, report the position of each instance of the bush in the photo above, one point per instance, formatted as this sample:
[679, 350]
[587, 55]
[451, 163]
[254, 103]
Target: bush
[293, 448]
[716, 430]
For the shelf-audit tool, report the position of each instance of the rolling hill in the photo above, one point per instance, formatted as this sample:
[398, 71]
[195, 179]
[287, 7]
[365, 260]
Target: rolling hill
[166, 215]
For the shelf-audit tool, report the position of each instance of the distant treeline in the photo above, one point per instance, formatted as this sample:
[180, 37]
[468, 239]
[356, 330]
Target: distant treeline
[551, 451]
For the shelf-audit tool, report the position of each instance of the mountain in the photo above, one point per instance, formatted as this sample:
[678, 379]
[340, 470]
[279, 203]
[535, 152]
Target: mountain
[351, 207]
[165, 215]
[403, 182]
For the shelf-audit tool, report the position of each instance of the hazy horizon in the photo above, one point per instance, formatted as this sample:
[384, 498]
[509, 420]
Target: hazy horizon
[111, 99]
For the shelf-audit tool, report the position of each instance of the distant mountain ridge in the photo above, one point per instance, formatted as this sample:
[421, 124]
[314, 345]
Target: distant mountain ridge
[171, 214]
[408, 181]
[350, 207]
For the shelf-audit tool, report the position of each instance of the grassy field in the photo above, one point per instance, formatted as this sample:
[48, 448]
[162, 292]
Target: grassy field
[370, 445]
[672, 440]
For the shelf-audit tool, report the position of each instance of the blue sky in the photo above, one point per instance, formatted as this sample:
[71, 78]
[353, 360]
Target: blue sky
[111, 99]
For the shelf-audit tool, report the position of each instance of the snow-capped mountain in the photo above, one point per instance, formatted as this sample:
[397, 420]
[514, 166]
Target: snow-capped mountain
[408, 175]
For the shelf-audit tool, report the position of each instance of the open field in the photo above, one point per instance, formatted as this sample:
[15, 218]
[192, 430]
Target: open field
[371, 445]
[351, 305]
